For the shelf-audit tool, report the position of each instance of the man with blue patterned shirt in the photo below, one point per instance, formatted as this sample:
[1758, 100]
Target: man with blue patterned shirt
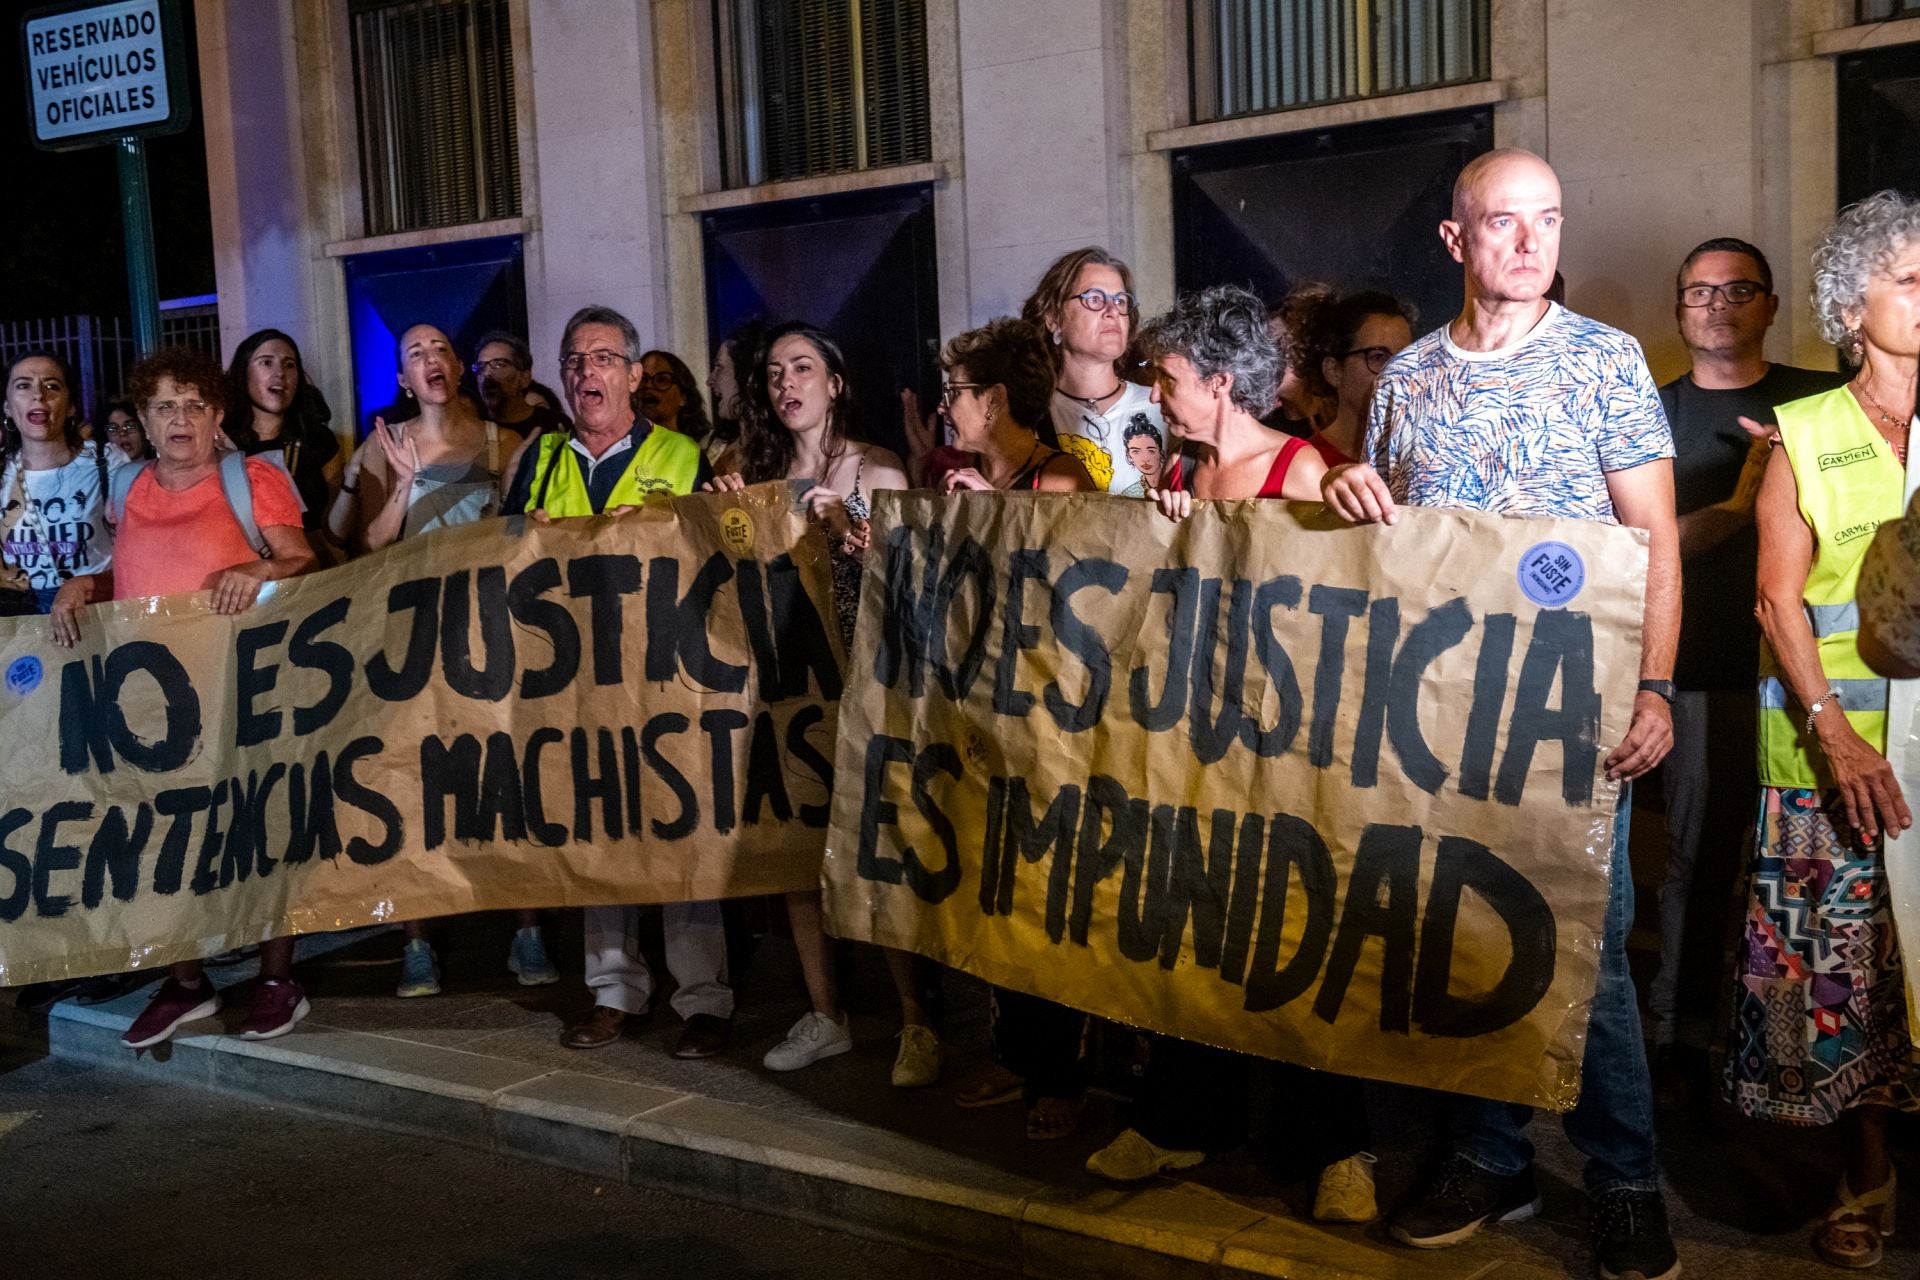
[1522, 407]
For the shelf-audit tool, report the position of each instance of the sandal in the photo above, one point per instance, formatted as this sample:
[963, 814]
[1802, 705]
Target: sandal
[991, 1087]
[1851, 1235]
[1051, 1118]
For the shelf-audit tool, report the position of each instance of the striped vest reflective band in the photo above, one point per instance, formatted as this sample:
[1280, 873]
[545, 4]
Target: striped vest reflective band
[1849, 482]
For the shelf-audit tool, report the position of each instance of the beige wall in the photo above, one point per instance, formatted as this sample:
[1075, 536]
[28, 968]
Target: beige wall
[1052, 124]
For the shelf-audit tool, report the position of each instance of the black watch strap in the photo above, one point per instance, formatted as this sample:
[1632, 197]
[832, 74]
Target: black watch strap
[1665, 688]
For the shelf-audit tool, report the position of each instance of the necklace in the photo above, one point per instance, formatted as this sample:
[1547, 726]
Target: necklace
[1899, 447]
[1038, 445]
[1092, 402]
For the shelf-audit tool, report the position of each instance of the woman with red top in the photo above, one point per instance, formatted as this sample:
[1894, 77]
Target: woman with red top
[1345, 344]
[178, 532]
[1215, 361]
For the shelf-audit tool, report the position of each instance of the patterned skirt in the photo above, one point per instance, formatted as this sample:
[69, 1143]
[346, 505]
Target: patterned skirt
[1819, 1015]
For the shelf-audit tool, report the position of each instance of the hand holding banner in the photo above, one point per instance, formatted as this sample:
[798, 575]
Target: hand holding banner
[1261, 780]
[505, 714]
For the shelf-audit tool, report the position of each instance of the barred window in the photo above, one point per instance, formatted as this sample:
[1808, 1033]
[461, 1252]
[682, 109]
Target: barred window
[433, 86]
[810, 87]
[1252, 56]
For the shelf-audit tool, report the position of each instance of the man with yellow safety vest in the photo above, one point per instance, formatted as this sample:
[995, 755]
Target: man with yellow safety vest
[615, 459]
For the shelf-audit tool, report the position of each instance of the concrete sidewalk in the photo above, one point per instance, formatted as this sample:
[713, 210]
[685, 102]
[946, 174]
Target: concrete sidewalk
[836, 1145]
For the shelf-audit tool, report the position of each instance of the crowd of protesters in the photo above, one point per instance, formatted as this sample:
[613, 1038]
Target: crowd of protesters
[1754, 691]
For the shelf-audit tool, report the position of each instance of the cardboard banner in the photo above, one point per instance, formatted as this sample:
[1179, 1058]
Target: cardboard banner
[623, 709]
[1258, 780]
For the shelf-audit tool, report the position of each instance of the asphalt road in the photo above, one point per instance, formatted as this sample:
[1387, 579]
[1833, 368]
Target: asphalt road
[104, 1175]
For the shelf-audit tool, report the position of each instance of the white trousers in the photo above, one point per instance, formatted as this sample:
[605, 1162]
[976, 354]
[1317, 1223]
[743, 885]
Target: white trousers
[696, 957]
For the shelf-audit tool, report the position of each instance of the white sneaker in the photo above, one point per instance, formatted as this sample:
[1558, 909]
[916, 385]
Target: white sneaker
[814, 1037]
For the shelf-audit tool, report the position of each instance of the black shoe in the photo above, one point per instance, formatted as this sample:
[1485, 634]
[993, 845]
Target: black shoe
[1460, 1200]
[1630, 1237]
[705, 1036]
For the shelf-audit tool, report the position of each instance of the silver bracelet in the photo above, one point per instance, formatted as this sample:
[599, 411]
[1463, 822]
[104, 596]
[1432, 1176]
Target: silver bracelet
[1818, 705]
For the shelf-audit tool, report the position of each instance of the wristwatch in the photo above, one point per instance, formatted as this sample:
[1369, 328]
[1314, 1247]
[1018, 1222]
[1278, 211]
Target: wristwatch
[1818, 705]
[1665, 688]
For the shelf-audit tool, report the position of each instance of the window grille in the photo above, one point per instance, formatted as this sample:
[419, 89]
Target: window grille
[810, 87]
[1252, 56]
[433, 86]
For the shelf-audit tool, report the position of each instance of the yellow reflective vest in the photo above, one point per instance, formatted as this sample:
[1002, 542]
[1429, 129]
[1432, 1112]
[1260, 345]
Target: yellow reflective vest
[665, 462]
[1850, 481]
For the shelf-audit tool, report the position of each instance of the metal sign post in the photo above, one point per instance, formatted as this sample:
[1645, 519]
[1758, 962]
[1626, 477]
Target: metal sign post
[111, 72]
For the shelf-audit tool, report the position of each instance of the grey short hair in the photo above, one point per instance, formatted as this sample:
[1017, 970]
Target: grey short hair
[1856, 246]
[1223, 329]
[629, 336]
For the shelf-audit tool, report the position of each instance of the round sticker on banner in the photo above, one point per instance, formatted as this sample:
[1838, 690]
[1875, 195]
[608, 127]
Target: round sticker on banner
[1551, 574]
[23, 676]
[736, 530]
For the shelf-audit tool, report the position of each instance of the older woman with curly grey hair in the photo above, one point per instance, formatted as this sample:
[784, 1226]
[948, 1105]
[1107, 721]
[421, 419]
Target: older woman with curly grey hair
[1820, 1017]
[1216, 364]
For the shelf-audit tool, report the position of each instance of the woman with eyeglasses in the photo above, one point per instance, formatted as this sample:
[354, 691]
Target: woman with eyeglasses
[670, 396]
[126, 440]
[1344, 344]
[56, 549]
[440, 468]
[278, 410]
[178, 529]
[797, 423]
[1084, 309]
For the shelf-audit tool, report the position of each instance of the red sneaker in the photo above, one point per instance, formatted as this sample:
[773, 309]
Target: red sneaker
[278, 1005]
[171, 1006]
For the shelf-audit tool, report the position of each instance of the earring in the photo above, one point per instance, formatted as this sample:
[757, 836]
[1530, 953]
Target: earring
[1056, 336]
[406, 393]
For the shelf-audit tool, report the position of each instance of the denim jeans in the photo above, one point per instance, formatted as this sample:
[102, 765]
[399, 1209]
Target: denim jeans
[1613, 1123]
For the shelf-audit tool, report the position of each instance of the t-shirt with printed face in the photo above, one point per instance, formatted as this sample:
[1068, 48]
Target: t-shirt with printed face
[1531, 429]
[174, 541]
[54, 521]
[1100, 440]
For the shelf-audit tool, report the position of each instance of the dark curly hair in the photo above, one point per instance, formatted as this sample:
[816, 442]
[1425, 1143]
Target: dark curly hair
[187, 368]
[766, 446]
[1222, 330]
[10, 440]
[308, 415]
[1009, 353]
[1331, 328]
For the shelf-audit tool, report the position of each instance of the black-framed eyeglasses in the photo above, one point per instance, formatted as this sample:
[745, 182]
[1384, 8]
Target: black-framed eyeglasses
[1738, 293]
[1100, 300]
[660, 381]
[602, 358]
[946, 391]
[1376, 357]
[496, 366]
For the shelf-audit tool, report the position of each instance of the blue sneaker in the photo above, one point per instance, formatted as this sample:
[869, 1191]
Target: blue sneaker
[419, 971]
[527, 958]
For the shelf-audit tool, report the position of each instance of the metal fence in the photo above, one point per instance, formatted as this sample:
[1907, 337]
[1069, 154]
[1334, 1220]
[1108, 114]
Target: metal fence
[100, 348]
[1250, 56]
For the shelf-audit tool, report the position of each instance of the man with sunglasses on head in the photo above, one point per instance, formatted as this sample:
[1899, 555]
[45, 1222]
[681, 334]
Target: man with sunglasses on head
[1724, 302]
[615, 459]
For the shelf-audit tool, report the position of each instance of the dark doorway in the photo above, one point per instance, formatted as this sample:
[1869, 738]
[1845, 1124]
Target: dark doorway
[1879, 122]
[466, 289]
[1356, 207]
[860, 266]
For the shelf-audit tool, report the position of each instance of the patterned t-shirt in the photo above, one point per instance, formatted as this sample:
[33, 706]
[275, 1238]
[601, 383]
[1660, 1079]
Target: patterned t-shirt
[53, 523]
[1115, 445]
[1531, 429]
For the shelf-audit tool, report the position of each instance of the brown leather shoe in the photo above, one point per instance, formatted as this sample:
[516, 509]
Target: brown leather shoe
[597, 1030]
[704, 1036]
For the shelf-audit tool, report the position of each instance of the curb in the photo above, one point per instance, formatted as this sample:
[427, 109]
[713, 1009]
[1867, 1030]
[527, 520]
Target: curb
[845, 1177]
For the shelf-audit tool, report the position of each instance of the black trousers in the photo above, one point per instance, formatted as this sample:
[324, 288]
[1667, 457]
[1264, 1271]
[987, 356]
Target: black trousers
[1040, 1042]
[1194, 1098]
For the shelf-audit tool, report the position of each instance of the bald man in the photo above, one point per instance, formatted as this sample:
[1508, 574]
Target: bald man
[1522, 407]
